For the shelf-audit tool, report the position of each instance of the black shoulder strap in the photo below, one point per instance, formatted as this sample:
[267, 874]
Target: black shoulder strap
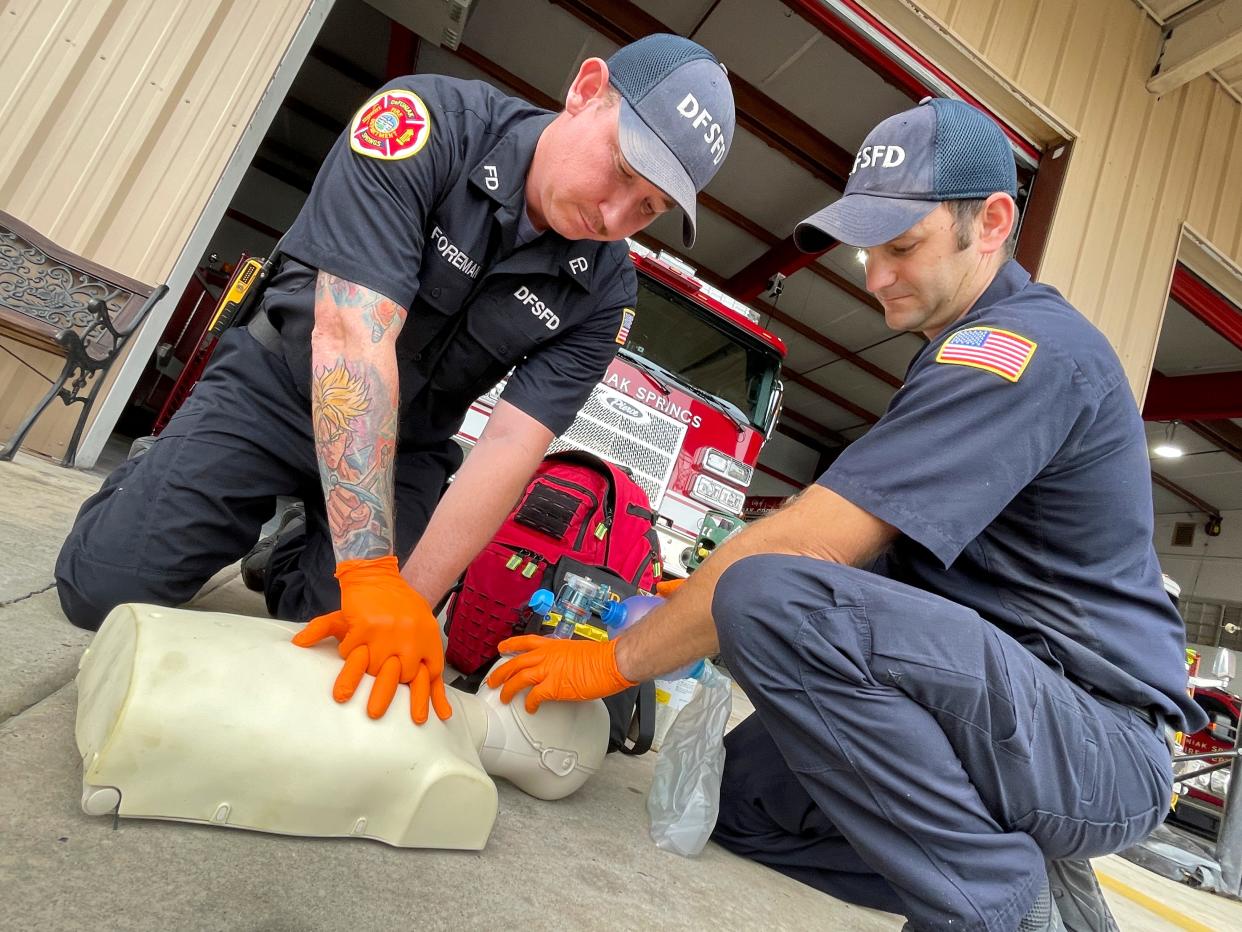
[644, 714]
[639, 511]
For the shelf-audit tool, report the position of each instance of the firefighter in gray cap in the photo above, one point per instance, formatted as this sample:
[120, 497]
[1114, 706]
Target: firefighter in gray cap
[962, 659]
[453, 234]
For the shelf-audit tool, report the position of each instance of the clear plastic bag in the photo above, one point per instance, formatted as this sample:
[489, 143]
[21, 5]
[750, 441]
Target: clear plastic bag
[685, 794]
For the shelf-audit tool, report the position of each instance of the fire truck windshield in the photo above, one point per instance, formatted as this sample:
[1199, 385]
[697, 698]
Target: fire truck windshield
[690, 344]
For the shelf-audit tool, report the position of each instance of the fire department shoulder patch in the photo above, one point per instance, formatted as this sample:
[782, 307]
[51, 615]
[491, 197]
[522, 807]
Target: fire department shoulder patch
[391, 125]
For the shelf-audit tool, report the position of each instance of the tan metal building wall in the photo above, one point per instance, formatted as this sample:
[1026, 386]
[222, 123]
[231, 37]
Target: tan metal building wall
[1141, 165]
[118, 118]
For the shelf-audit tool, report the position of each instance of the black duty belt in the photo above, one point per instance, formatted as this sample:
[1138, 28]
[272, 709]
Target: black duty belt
[262, 330]
[1156, 720]
[1147, 713]
[1148, 716]
[1161, 726]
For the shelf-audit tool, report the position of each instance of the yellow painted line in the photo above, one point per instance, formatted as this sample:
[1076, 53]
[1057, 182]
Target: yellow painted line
[1153, 905]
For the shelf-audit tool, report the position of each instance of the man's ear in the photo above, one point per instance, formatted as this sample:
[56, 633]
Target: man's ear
[996, 221]
[590, 83]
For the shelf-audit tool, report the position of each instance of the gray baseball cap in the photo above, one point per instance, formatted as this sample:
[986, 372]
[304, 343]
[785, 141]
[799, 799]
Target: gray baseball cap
[942, 150]
[676, 122]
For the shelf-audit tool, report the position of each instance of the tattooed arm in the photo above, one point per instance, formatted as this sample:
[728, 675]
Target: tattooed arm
[385, 628]
[354, 401]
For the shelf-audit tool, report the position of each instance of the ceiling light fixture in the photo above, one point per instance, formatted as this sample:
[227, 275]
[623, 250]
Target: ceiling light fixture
[1168, 449]
[862, 257]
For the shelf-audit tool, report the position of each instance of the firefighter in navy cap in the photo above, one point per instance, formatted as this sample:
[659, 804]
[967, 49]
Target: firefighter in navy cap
[452, 234]
[957, 641]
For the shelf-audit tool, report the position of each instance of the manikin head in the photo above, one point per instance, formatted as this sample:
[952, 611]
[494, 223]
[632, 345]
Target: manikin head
[641, 133]
[548, 754]
[931, 201]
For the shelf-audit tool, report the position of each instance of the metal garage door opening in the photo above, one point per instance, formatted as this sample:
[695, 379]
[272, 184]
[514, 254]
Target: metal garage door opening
[1193, 414]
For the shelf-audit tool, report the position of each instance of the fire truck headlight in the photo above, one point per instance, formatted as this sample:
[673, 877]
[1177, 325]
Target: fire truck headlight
[725, 466]
[707, 490]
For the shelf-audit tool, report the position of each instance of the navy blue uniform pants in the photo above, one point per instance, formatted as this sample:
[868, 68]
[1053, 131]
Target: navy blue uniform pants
[907, 755]
[164, 523]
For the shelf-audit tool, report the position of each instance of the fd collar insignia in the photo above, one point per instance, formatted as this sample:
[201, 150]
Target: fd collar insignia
[391, 125]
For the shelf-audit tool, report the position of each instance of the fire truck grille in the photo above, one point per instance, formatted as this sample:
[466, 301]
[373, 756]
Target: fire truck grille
[620, 430]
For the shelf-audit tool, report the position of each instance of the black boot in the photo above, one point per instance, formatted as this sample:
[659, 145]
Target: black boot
[1041, 917]
[255, 564]
[140, 446]
[1078, 896]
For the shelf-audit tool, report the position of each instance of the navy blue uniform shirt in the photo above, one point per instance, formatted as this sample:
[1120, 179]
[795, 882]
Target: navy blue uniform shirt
[421, 199]
[1013, 462]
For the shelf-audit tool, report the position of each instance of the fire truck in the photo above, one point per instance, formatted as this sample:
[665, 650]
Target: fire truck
[686, 406]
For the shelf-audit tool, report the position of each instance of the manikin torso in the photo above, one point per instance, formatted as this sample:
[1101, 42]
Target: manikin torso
[208, 717]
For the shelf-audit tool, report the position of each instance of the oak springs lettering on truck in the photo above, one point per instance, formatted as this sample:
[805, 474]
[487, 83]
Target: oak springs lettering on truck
[687, 404]
[657, 400]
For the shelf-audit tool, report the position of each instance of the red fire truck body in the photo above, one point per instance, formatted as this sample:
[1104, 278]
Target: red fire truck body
[687, 405]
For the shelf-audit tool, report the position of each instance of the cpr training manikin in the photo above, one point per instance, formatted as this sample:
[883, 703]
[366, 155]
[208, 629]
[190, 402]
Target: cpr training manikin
[215, 718]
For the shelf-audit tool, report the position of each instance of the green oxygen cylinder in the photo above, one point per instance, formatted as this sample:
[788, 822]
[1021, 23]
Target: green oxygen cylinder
[717, 527]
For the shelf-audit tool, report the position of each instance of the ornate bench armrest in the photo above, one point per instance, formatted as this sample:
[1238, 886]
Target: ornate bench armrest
[152, 300]
[76, 343]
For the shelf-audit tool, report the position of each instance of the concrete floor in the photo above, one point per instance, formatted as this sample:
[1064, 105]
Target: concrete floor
[582, 863]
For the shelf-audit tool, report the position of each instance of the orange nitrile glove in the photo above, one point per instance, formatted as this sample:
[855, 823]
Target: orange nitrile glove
[558, 669]
[666, 587]
[388, 630]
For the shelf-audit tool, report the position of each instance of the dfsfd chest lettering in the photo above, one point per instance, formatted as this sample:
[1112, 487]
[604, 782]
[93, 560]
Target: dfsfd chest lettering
[537, 307]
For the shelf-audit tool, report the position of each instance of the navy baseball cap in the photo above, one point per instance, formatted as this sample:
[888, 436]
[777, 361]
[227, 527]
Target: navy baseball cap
[942, 150]
[677, 116]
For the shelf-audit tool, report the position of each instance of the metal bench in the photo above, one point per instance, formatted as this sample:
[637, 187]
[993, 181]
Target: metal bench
[60, 303]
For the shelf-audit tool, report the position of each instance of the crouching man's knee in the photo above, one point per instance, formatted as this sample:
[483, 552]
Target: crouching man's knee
[76, 598]
[88, 589]
[761, 600]
[738, 604]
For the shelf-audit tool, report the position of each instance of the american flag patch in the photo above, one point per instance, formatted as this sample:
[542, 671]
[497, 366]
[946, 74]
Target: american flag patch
[999, 351]
[627, 320]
